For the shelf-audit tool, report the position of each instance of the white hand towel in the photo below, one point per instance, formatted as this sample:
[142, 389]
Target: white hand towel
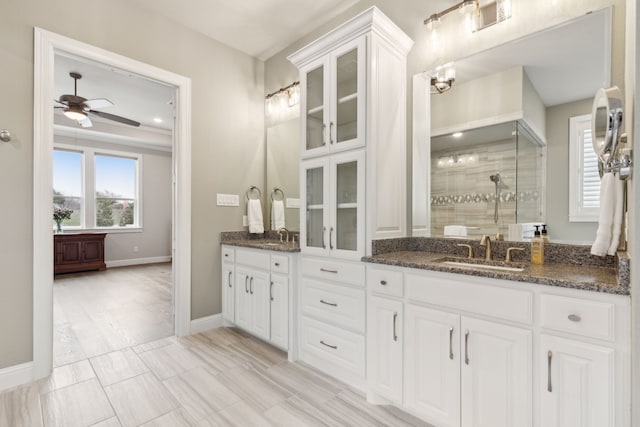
[607, 209]
[617, 216]
[254, 216]
[277, 215]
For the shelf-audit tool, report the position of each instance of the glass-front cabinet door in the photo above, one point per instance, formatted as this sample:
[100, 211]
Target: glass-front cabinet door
[333, 218]
[313, 225]
[346, 230]
[333, 90]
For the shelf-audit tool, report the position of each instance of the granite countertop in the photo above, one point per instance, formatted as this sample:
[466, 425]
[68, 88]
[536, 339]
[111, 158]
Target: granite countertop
[591, 278]
[269, 241]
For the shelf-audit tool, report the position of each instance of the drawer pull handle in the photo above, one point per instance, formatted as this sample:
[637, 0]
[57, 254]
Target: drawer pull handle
[324, 230]
[549, 356]
[335, 347]
[229, 279]
[271, 291]
[331, 132]
[574, 318]
[329, 271]
[395, 319]
[226, 255]
[383, 282]
[332, 304]
[251, 286]
[246, 290]
[466, 347]
[277, 264]
[451, 343]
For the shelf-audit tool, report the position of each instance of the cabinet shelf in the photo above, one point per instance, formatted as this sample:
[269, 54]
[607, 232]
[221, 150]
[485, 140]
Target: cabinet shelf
[315, 207]
[315, 110]
[347, 205]
[348, 98]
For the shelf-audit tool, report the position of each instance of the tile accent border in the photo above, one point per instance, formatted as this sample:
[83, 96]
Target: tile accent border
[507, 196]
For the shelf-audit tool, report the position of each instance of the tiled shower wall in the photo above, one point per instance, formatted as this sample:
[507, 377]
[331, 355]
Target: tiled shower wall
[463, 194]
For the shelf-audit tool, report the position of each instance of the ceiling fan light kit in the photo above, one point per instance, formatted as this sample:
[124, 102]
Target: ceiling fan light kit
[78, 108]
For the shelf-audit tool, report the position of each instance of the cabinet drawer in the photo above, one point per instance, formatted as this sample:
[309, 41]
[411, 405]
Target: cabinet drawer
[333, 345]
[474, 297]
[280, 264]
[228, 254]
[334, 304]
[385, 281]
[594, 319]
[339, 271]
[256, 258]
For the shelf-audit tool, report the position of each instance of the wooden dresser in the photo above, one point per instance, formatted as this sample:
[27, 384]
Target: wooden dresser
[78, 252]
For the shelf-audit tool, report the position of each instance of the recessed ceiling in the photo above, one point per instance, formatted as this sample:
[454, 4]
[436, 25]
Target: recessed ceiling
[134, 97]
[259, 28]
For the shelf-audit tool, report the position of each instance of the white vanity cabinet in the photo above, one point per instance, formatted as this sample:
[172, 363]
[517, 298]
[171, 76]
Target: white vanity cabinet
[258, 292]
[475, 352]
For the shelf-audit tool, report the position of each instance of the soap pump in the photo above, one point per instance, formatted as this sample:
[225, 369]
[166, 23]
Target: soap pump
[544, 234]
[537, 247]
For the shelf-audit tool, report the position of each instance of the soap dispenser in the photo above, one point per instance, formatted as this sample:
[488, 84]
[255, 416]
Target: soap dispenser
[537, 247]
[544, 235]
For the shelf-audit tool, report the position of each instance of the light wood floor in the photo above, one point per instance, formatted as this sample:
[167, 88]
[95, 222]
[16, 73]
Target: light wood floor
[117, 363]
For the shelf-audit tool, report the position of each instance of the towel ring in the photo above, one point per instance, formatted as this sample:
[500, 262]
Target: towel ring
[252, 190]
[275, 192]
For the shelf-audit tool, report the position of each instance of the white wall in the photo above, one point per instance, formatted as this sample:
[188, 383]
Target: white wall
[227, 138]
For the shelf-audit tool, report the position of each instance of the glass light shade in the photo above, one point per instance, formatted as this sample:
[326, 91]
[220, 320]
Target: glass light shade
[268, 106]
[75, 113]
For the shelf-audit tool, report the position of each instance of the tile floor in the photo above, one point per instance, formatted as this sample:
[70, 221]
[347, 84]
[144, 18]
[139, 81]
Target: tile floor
[117, 364]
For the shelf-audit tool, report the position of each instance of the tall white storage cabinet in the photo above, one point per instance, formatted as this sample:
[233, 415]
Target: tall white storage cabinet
[353, 180]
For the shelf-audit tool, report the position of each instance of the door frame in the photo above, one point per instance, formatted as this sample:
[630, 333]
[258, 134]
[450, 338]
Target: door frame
[46, 44]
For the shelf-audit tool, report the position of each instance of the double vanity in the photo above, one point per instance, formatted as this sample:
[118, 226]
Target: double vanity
[417, 325]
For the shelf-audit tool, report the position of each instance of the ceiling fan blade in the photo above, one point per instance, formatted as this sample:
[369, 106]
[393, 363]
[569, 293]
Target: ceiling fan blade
[98, 103]
[85, 123]
[62, 104]
[115, 118]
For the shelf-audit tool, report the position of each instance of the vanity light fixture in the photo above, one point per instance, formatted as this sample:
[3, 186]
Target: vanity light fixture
[442, 78]
[465, 7]
[283, 97]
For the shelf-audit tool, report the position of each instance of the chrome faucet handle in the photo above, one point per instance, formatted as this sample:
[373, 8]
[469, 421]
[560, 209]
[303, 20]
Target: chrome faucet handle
[507, 258]
[283, 230]
[469, 249]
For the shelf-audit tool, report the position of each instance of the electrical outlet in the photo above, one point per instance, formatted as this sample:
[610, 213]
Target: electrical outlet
[245, 221]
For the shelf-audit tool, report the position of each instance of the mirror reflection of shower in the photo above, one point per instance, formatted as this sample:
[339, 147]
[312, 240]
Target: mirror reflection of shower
[497, 180]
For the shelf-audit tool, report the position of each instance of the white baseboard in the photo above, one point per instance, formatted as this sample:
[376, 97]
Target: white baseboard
[16, 375]
[137, 261]
[205, 323]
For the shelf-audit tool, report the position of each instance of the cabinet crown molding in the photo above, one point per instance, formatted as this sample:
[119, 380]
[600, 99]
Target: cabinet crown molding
[370, 20]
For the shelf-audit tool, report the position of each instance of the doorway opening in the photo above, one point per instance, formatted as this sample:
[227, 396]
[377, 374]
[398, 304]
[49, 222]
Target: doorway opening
[47, 46]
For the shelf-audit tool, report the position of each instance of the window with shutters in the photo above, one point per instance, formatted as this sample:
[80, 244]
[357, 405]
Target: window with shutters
[584, 179]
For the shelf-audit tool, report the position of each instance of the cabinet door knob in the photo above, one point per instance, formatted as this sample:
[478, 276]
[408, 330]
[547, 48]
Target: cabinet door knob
[277, 264]
[331, 238]
[271, 291]
[229, 279]
[395, 319]
[383, 282]
[246, 290]
[549, 356]
[324, 230]
[451, 343]
[251, 286]
[574, 317]
[466, 347]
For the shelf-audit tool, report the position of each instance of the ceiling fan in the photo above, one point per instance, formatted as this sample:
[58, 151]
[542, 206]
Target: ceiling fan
[78, 108]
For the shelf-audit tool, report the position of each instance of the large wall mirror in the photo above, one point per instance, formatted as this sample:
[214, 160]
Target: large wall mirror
[486, 173]
[283, 171]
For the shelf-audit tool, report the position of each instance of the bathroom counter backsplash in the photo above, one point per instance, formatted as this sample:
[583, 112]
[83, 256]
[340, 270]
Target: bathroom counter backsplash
[568, 266]
[270, 241]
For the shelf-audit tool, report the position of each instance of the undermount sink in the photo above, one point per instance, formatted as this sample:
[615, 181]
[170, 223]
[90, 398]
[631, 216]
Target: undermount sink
[481, 264]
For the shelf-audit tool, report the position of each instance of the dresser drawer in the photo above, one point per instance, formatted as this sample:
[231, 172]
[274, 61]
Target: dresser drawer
[280, 264]
[471, 296]
[594, 319]
[253, 258]
[335, 304]
[324, 345]
[228, 254]
[338, 271]
[385, 281]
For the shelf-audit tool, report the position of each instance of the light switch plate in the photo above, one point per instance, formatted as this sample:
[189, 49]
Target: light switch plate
[293, 203]
[228, 199]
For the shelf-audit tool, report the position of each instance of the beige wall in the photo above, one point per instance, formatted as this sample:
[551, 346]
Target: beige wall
[227, 138]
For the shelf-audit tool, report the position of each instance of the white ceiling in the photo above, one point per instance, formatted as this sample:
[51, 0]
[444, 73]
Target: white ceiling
[259, 28]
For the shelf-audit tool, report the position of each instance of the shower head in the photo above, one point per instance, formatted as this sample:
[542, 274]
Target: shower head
[495, 178]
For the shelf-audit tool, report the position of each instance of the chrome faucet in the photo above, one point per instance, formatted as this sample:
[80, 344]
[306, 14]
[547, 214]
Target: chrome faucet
[485, 241]
[281, 231]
